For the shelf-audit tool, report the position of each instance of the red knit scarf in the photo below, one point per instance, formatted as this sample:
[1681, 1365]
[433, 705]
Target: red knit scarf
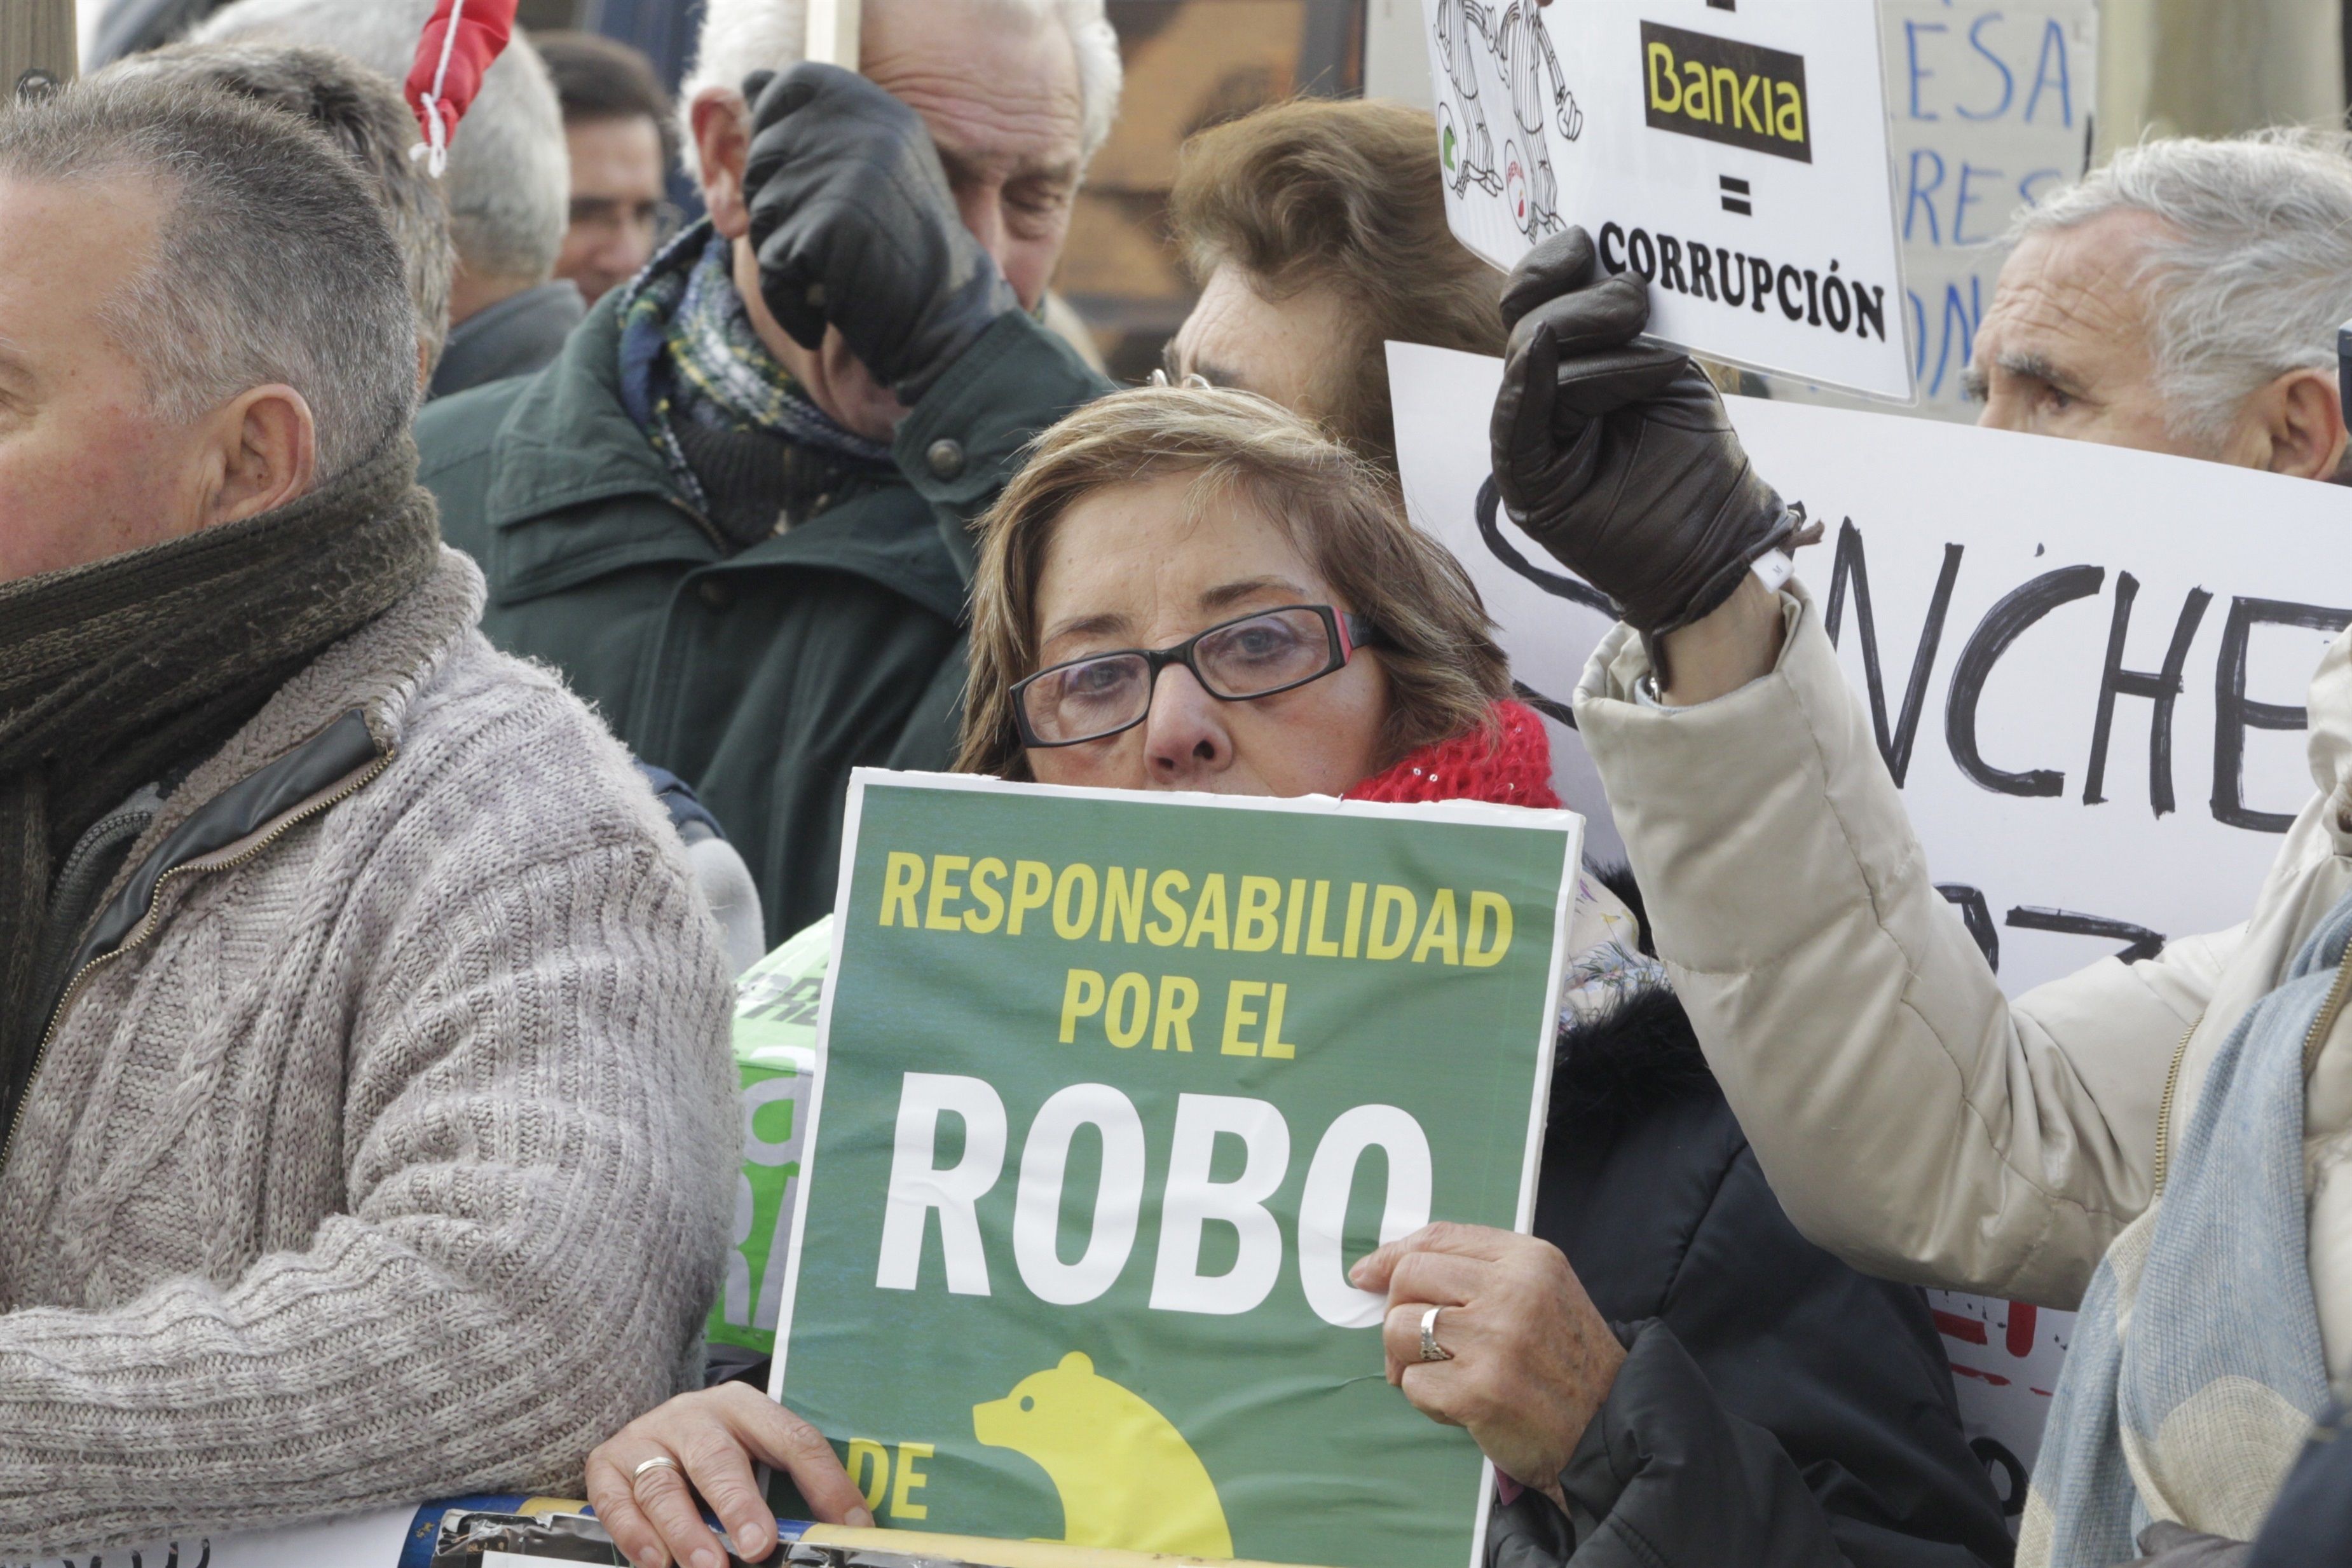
[1510, 767]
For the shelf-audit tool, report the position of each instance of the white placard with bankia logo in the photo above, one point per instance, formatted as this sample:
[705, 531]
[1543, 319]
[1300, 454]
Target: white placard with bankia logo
[1732, 153]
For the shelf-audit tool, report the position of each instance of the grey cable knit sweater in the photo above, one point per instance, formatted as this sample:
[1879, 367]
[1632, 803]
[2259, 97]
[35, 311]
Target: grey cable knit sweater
[397, 1161]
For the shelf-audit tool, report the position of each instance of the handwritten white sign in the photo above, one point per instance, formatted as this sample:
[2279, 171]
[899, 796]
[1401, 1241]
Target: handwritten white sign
[368, 1540]
[1991, 103]
[1735, 159]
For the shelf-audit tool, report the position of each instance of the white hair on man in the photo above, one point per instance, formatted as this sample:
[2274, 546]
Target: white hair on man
[2251, 272]
[739, 37]
[509, 181]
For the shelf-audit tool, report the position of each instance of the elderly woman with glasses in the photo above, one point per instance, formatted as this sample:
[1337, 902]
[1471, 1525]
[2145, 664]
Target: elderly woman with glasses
[1194, 589]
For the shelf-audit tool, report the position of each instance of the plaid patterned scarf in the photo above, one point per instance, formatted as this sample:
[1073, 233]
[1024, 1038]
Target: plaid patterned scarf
[689, 353]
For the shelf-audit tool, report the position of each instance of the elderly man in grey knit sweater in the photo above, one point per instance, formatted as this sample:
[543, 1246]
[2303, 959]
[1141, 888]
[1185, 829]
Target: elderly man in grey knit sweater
[364, 1094]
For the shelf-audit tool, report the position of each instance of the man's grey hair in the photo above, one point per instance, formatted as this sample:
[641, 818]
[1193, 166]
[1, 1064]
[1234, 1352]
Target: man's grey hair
[739, 37]
[2251, 272]
[272, 262]
[509, 180]
[361, 112]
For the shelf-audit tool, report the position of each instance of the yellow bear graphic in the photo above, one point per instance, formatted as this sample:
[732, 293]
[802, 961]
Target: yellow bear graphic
[1126, 1475]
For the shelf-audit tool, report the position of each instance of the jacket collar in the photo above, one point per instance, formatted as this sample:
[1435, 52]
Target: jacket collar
[514, 337]
[374, 673]
[1621, 1065]
[326, 733]
[568, 440]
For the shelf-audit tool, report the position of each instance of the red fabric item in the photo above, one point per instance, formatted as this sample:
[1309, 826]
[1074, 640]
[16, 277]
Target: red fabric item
[1513, 768]
[460, 40]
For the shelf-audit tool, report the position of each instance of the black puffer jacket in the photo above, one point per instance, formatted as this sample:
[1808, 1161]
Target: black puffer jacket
[1775, 1408]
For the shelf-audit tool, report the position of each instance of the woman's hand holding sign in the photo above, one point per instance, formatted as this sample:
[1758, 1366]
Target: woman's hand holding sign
[1527, 1360]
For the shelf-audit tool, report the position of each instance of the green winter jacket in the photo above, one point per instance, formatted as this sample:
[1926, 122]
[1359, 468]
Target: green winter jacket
[762, 677]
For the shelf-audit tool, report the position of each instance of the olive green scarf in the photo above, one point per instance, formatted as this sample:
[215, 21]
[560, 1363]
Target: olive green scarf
[112, 673]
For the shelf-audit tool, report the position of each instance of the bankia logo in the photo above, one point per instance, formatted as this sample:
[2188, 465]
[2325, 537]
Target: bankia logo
[1742, 95]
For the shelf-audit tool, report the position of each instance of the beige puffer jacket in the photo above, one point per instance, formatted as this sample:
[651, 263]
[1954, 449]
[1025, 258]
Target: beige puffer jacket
[1911, 1118]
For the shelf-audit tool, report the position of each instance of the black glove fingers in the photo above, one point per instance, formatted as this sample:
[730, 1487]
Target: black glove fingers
[1602, 383]
[1609, 315]
[1562, 261]
[774, 97]
[1520, 430]
[1573, 534]
[793, 287]
[856, 227]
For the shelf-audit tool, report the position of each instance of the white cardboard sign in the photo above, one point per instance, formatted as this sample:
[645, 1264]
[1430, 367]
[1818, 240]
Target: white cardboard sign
[368, 1540]
[1990, 104]
[2086, 665]
[1733, 158]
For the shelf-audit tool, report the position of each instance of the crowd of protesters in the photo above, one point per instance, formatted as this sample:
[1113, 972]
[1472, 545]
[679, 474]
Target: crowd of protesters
[439, 616]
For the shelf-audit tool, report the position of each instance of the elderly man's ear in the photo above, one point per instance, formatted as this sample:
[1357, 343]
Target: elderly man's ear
[2294, 426]
[256, 454]
[723, 143]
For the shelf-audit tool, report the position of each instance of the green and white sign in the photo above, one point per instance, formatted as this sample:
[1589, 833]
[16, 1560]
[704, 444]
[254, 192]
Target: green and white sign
[777, 1001]
[1114, 1087]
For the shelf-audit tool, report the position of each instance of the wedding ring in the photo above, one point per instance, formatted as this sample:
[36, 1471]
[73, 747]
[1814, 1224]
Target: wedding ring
[1430, 1349]
[663, 1462]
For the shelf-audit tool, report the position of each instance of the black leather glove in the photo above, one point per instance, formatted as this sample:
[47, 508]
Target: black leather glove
[855, 227]
[1616, 455]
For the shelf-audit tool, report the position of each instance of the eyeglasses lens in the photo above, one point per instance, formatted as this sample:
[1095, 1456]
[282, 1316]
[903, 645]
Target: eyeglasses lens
[1080, 701]
[1265, 653]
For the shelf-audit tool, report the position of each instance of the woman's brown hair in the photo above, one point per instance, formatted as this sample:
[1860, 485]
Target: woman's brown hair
[1345, 194]
[1445, 670]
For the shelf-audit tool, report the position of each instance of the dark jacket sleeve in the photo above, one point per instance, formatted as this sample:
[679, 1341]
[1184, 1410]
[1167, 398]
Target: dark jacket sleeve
[2312, 1520]
[1783, 1410]
[1665, 1476]
[963, 441]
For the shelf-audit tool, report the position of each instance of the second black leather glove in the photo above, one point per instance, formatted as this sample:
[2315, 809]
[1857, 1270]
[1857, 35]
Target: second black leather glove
[1616, 455]
[856, 227]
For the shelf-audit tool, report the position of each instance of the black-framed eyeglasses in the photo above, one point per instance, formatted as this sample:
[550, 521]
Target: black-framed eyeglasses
[1235, 661]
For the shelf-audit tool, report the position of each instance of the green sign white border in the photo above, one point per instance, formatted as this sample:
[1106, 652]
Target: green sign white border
[1472, 813]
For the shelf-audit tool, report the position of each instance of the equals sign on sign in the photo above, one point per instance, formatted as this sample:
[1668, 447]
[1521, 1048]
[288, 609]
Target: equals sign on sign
[1735, 196]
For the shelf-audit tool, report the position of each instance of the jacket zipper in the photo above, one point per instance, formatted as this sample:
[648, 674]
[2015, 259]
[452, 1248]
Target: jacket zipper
[2164, 1109]
[2321, 1022]
[146, 927]
[2325, 1019]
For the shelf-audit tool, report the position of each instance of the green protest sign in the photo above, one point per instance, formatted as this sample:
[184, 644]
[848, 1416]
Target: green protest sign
[776, 1009]
[1114, 1087]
